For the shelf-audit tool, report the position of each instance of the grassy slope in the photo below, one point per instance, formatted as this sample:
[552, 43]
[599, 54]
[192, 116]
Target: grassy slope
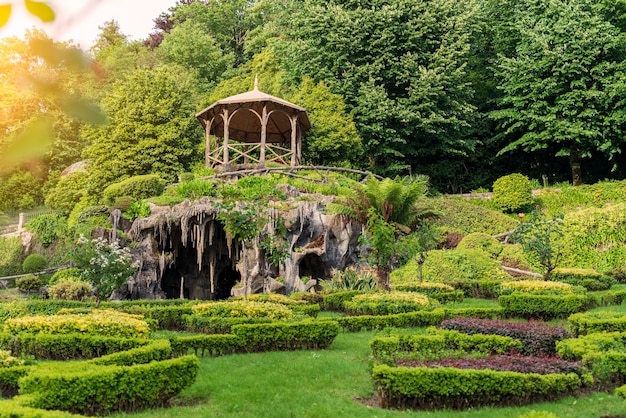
[329, 383]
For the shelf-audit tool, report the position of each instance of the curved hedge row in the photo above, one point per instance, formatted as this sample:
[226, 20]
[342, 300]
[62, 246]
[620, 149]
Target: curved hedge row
[99, 390]
[11, 409]
[66, 346]
[427, 388]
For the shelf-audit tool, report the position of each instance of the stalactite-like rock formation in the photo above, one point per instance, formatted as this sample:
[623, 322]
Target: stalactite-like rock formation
[186, 247]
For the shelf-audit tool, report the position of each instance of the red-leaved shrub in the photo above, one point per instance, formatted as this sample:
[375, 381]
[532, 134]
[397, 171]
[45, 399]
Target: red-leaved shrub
[506, 362]
[537, 338]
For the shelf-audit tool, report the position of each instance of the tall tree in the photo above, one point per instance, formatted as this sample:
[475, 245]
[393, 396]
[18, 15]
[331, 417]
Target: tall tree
[151, 128]
[401, 67]
[564, 87]
[191, 46]
[231, 23]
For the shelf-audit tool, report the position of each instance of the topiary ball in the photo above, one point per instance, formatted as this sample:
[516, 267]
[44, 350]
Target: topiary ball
[513, 193]
[34, 263]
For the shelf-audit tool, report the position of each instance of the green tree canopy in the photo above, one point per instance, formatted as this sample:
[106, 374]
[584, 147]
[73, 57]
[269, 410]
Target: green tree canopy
[400, 66]
[564, 88]
[151, 128]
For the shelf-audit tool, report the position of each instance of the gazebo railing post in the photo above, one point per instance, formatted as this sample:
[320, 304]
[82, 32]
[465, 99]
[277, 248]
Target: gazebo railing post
[226, 121]
[264, 119]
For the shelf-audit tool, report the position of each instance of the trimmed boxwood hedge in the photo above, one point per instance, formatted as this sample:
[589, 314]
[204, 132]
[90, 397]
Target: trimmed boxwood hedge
[9, 377]
[428, 388]
[66, 346]
[92, 389]
[413, 319]
[527, 305]
[12, 409]
[303, 335]
[590, 322]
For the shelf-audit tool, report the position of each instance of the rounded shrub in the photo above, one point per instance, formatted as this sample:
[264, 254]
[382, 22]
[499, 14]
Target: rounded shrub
[513, 192]
[34, 263]
[29, 283]
[70, 290]
[137, 187]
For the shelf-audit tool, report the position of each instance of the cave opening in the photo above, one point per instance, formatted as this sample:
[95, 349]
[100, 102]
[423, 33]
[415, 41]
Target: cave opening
[204, 269]
[311, 265]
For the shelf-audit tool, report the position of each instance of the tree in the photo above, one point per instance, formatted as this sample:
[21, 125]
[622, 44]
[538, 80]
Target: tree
[540, 238]
[231, 23]
[400, 66]
[151, 128]
[189, 45]
[564, 88]
[389, 210]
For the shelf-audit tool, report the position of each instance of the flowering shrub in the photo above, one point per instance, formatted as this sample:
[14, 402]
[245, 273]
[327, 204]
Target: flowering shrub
[503, 362]
[104, 322]
[539, 287]
[537, 338]
[386, 303]
[106, 266]
[243, 309]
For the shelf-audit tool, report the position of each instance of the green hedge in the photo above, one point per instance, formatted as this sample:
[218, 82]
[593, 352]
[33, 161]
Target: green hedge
[587, 278]
[439, 340]
[440, 292]
[483, 289]
[9, 377]
[207, 345]
[606, 298]
[100, 390]
[283, 336]
[578, 348]
[526, 305]
[621, 392]
[413, 319]
[137, 187]
[335, 301]
[11, 409]
[385, 303]
[425, 387]
[590, 322]
[66, 346]
[156, 350]
[213, 325]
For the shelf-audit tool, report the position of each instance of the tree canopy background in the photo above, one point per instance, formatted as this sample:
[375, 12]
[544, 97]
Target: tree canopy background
[462, 91]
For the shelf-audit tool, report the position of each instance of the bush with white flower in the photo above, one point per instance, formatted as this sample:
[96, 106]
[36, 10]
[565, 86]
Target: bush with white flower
[105, 265]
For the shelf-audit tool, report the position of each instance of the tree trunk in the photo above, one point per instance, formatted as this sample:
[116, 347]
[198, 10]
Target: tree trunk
[382, 277]
[574, 162]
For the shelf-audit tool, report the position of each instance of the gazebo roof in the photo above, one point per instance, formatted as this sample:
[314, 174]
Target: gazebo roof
[245, 126]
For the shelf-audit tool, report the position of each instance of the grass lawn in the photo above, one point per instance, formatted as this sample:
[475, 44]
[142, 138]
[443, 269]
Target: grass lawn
[327, 383]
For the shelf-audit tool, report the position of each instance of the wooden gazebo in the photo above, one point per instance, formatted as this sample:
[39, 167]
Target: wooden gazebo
[254, 128]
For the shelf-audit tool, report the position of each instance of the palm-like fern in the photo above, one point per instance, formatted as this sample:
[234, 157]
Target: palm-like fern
[394, 200]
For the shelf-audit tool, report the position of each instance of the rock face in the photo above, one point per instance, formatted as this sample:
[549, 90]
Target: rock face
[184, 251]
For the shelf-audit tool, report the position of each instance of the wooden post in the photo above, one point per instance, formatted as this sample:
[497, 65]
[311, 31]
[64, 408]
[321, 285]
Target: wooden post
[264, 119]
[207, 138]
[294, 143]
[20, 224]
[225, 117]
